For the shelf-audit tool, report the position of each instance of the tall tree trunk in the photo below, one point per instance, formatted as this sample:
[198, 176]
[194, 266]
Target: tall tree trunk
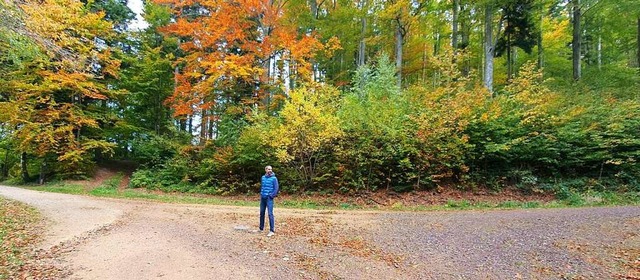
[454, 28]
[5, 165]
[23, 167]
[509, 58]
[424, 63]
[211, 125]
[293, 75]
[204, 128]
[599, 50]
[183, 124]
[313, 4]
[43, 171]
[576, 42]
[157, 114]
[361, 45]
[466, 33]
[488, 47]
[436, 43]
[540, 49]
[399, 43]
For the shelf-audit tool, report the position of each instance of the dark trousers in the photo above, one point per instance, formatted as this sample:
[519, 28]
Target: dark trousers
[267, 203]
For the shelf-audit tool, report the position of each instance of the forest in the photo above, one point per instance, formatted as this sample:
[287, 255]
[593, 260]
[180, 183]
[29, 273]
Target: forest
[337, 95]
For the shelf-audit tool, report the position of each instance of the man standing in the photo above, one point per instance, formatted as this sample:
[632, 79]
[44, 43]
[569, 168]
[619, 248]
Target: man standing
[268, 191]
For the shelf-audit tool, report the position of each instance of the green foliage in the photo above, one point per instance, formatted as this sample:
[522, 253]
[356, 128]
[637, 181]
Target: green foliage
[152, 150]
[156, 179]
[520, 30]
[116, 11]
[373, 117]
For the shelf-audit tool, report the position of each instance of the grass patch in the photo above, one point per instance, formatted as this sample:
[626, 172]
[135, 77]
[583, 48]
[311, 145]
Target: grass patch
[459, 204]
[109, 188]
[565, 197]
[59, 187]
[509, 204]
[348, 206]
[599, 198]
[305, 203]
[531, 204]
[104, 192]
[17, 226]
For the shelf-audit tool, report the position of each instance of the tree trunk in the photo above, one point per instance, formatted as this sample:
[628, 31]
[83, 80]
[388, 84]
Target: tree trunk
[204, 128]
[5, 165]
[466, 33]
[436, 43]
[454, 28]
[540, 49]
[509, 58]
[424, 63]
[488, 47]
[183, 124]
[23, 167]
[361, 45]
[293, 72]
[314, 8]
[399, 43]
[576, 42]
[599, 50]
[43, 171]
[211, 125]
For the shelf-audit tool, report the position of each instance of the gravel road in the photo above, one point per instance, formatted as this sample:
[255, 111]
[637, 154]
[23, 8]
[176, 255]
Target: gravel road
[122, 239]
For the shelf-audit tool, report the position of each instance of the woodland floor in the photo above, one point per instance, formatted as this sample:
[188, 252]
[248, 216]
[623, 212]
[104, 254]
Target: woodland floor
[98, 238]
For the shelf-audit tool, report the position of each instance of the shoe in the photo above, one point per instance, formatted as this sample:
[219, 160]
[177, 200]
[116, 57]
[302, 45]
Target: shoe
[271, 233]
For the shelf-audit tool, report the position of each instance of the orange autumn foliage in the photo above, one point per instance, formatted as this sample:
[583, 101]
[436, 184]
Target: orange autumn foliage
[53, 93]
[232, 42]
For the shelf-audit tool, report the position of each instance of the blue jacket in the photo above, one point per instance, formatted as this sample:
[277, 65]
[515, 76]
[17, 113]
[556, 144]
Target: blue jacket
[269, 185]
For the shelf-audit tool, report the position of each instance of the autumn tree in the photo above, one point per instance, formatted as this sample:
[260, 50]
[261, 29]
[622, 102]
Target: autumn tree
[403, 14]
[54, 92]
[227, 47]
[308, 126]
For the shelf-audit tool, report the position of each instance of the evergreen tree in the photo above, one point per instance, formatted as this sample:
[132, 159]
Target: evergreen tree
[520, 30]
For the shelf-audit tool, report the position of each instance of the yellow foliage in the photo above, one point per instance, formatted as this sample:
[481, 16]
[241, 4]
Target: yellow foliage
[556, 33]
[308, 123]
[536, 99]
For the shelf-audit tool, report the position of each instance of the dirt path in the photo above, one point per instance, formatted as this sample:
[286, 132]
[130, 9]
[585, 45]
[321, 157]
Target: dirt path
[118, 239]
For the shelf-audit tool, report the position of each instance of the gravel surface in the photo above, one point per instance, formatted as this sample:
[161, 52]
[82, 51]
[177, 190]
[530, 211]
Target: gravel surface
[92, 238]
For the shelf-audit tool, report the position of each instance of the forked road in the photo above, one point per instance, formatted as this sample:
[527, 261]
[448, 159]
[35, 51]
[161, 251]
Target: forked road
[122, 239]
